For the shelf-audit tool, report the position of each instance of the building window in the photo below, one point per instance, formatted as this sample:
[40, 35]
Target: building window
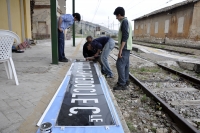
[42, 28]
[166, 26]
[156, 27]
[180, 24]
[148, 28]
[141, 26]
[136, 26]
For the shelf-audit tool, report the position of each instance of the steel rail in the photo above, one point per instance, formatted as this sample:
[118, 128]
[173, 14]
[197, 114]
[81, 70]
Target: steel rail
[182, 124]
[185, 76]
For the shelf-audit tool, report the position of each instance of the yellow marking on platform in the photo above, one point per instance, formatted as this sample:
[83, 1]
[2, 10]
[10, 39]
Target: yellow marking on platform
[77, 48]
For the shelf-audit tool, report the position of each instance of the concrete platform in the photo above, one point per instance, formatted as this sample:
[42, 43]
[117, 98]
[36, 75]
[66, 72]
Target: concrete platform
[186, 62]
[22, 106]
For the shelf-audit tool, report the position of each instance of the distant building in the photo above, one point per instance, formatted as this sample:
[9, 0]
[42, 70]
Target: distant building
[88, 28]
[41, 18]
[178, 24]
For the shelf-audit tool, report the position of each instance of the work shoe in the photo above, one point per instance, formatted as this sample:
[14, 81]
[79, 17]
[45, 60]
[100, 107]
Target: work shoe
[108, 76]
[63, 60]
[120, 87]
[127, 83]
[103, 72]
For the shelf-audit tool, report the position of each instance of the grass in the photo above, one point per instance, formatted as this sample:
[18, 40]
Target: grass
[144, 98]
[198, 75]
[153, 70]
[141, 72]
[153, 130]
[158, 85]
[131, 127]
[177, 68]
[158, 46]
[158, 106]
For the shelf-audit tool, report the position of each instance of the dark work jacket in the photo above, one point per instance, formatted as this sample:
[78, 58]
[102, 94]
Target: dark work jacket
[99, 43]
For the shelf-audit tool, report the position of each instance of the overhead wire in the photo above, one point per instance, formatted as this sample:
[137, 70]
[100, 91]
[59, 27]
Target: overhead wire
[98, 4]
[136, 4]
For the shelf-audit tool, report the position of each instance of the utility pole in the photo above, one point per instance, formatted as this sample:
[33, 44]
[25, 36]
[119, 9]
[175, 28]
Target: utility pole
[82, 27]
[108, 22]
[113, 25]
[54, 33]
[73, 11]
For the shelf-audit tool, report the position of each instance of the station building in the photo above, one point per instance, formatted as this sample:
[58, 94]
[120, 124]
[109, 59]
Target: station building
[176, 25]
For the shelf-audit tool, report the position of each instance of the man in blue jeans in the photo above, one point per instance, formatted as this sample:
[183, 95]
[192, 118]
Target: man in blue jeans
[64, 22]
[104, 45]
[125, 45]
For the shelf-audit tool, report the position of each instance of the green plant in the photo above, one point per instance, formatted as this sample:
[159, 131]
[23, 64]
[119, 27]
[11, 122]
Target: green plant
[198, 75]
[158, 106]
[197, 123]
[162, 47]
[144, 98]
[158, 85]
[154, 69]
[153, 129]
[131, 127]
[143, 69]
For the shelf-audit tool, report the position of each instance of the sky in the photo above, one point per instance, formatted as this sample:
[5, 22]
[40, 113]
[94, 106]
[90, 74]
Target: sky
[101, 11]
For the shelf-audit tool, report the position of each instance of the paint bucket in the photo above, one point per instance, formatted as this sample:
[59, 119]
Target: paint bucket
[46, 127]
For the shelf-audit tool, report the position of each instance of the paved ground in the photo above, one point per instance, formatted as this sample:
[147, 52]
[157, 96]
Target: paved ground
[22, 106]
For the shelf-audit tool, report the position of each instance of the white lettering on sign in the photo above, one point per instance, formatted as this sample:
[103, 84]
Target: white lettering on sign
[72, 111]
[85, 76]
[85, 72]
[80, 89]
[94, 116]
[84, 100]
[84, 86]
[83, 94]
[84, 80]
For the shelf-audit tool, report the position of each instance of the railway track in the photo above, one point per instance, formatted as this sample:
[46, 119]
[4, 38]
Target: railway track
[177, 93]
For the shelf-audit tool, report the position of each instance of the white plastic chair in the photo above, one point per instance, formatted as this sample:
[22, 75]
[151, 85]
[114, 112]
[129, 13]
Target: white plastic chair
[6, 41]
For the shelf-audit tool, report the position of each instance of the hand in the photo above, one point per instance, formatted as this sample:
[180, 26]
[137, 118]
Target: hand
[90, 58]
[120, 54]
[60, 29]
[96, 55]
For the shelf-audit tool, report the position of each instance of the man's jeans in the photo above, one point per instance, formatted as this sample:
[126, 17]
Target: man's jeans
[122, 65]
[104, 56]
[61, 45]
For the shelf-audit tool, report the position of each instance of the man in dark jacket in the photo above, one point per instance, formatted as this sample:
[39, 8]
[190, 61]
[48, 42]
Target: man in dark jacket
[104, 45]
[86, 52]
